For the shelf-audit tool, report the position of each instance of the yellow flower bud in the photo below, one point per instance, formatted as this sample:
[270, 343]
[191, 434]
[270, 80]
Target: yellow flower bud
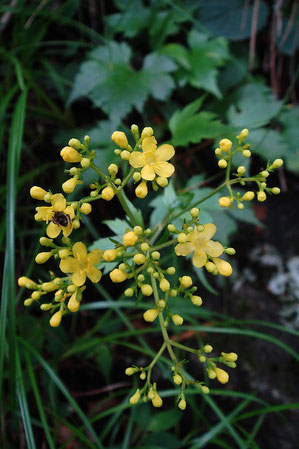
[75, 143]
[141, 190]
[161, 304]
[36, 295]
[194, 212]
[130, 371]
[43, 257]
[164, 285]
[120, 139]
[196, 300]
[63, 253]
[211, 373]
[230, 251]
[37, 193]
[210, 267]
[48, 197]
[135, 398]
[151, 394]
[171, 228]
[135, 130]
[186, 281]
[182, 404]
[110, 255]
[73, 304]
[162, 182]
[85, 163]
[177, 379]
[139, 259]
[222, 163]
[144, 246]
[45, 241]
[86, 208]
[69, 185]
[221, 375]
[23, 281]
[204, 389]
[182, 237]
[72, 288]
[143, 376]
[241, 170]
[177, 320]
[137, 176]
[225, 145]
[150, 315]
[76, 224]
[225, 201]
[244, 133]
[147, 132]
[261, 196]
[117, 276]
[28, 302]
[146, 289]
[230, 357]
[49, 286]
[277, 163]
[69, 154]
[207, 349]
[218, 152]
[202, 358]
[248, 196]
[246, 153]
[157, 401]
[125, 155]
[170, 271]
[130, 238]
[108, 193]
[46, 307]
[129, 292]
[112, 169]
[56, 319]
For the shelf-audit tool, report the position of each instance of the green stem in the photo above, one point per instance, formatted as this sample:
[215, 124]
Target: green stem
[121, 198]
[161, 322]
[185, 348]
[127, 178]
[164, 245]
[98, 170]
[161, 350]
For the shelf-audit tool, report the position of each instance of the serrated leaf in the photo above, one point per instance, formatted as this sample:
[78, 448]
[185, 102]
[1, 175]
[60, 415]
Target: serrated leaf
[231, 20]
[189, 126]
[267, 143]
[117, 225]
[134, 17]
[255, 106]
[155, 74]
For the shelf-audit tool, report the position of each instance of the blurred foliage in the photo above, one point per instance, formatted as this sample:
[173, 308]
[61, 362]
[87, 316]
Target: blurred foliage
[73, 68]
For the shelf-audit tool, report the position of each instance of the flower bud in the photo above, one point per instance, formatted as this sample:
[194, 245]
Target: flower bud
[225, 201]
[129, 238]
[218, 152]
[85, 208]
[221, 375]
[63, 253]
[277, 163]
[150, 315]
[194, 212]
[129, 292]
[130, 371]
[264, 174]
[182, 404]
[72, 288]
[147, 132]
[275, 190]
[241, 170]
[46, 307]
[56, 319]
[139, 259]
[211, 373]
[69, 185]
[230, 357]
[110, 255]
[182, 237]
[177, 320]
[69, 154]
[76, 224]
[170, 271]
[108, 193]
[248, 196]
[112, 169]
[137, 176]
[222, 163]
[75, 143]
[210, 267]
[157, 401]
[161, 304]
[120, 139]
[146, 289]
[36, 295]
[155, 255]
[37, 193]
[186, 281]
[207, 349]
[43, 257]
[177, 379]
[144, 246]
[164, 285]
[261, 196]
[45, 241]
[23, 281]
[162, 182]
[117, 276]
[28, 302]
[135, 398]
[85, 163]
[244, 133]
[125, 155]
[246, 153]
[73, 304]
[49, 286]
[196, 300]
[230, 251]
[204, 389]
[225, 145]
[141, 190]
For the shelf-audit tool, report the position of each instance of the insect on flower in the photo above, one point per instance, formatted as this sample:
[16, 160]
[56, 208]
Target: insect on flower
[61, 219]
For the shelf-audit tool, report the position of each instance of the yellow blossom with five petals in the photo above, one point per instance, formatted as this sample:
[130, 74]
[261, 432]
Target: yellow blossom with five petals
[201, 245]
[82, 264]
[153, 159]
[47, 214]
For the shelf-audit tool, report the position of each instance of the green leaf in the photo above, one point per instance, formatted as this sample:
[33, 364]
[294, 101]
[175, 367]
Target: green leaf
[231, 20]
[189, 126]
[267, 143]
[117, 225]
[255, 106]
[113, 85]
[290, 134]
[104, 360]
[164, 420]
[133, 18]
[163, 440]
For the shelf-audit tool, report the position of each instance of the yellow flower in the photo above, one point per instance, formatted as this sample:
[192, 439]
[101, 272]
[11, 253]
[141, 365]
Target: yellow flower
[201, 245]
[82, 264]
[153, 160]
[59, 214]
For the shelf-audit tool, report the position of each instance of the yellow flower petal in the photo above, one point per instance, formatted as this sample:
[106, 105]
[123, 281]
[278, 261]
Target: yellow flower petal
[208, 232]
[183, 249]
[149, 144]
[44, 213]
[69, 265]
[148, 172]
[164, 169]
[95, 256]
[223, 267]
[67, 230]
[79, 278]
[94, 274]
[69, 210]
[53, 230]
[199, 258]
[58, 202]
[137, 159]
[164, 153]
[214, 249]
[80, 251]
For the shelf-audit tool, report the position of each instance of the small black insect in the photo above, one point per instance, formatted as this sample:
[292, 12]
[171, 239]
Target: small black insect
[61, 219]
